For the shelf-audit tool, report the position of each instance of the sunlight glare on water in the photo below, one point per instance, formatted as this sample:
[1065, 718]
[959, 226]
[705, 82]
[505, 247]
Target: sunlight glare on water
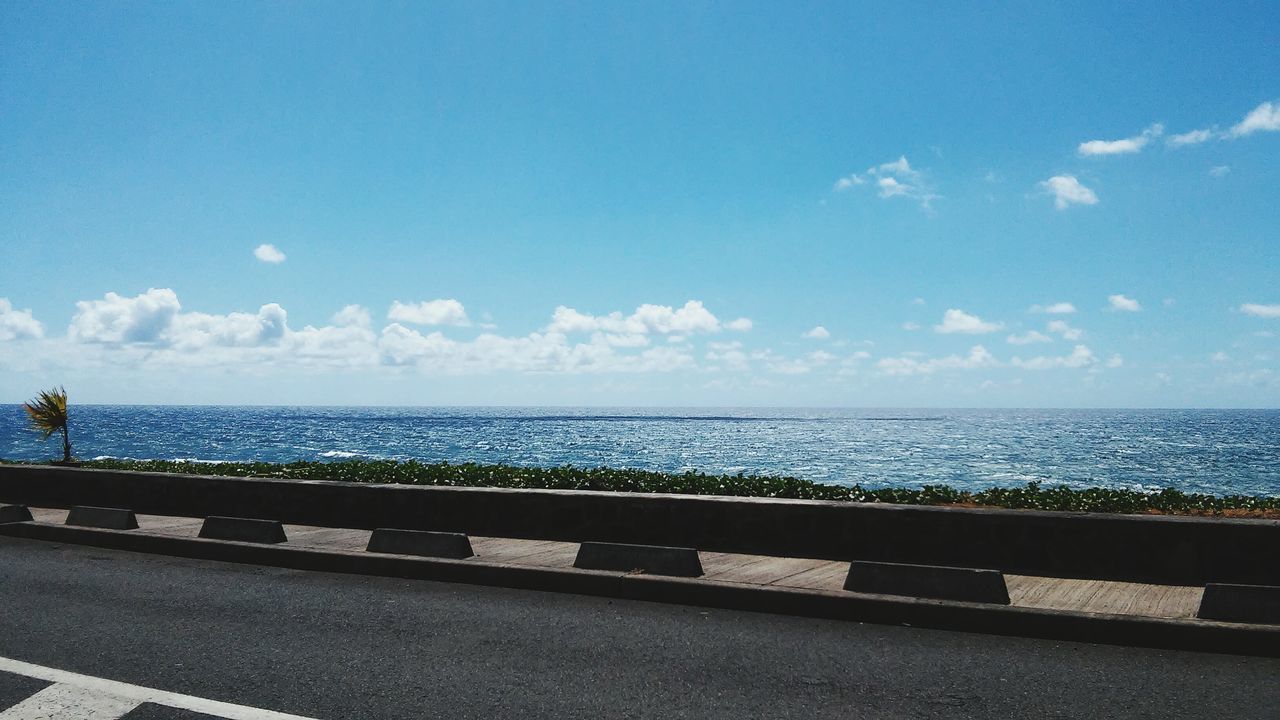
[1213, 451]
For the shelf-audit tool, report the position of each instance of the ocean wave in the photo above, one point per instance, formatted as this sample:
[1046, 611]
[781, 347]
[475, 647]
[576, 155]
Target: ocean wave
[340, 454]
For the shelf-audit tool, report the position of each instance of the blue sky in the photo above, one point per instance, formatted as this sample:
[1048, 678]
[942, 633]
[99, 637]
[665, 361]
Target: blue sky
[604, 203]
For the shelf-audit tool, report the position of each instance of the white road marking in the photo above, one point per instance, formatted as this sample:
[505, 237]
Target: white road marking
[68, 702]
[102, 690]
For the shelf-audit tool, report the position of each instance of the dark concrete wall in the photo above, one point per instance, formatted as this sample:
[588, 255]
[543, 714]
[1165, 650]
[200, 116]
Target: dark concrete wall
[1137, 548]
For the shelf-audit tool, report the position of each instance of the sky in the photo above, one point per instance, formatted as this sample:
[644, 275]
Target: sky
[701, 204]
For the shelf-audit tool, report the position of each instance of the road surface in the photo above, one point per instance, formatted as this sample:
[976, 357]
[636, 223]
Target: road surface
[340, 647]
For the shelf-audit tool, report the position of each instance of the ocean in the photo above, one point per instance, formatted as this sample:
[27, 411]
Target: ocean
[1211, 451]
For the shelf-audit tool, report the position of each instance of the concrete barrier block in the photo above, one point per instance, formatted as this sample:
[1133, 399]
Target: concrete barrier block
[243, 530]
[651, 559]
[928, 581]
[101, 517]
[420, 542]
[1241, 603]
[14, 513]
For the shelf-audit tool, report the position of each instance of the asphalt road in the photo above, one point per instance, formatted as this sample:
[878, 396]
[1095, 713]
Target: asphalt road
[340, 646]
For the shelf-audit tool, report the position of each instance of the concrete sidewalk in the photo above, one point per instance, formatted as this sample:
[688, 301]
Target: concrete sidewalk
[1086, 596]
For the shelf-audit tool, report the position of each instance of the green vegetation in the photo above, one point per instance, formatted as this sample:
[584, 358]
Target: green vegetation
[1030, 496]
[48, 415]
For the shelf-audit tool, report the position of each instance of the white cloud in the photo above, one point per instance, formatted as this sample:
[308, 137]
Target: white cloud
[627, 339]
[692, 318]
[845, 183]
[1262, 311]
[535, 353]
[154, 320]
[1028, 338]
[1264, 118]
[787, 366]
[192, 331]
[430, 312]
[898, 167]
[1067, 190]
[1060, 308]
[1066, 331]
[1124, 304]
[1080, 356]
[959, 321]
[117, 319]
[340, 346]
[399, 345]
[353, 315]
[890, 187]
[151, 330]
[1120, 147]
[910, 326]
[740, 325]
[18, 324]
[1219, 357]
[818, 333]
[850, 365]
[268, 253]
[728, 354]
[1115, 361]
[782, 365]
[1194, 137]
[978, 357]
[892, 179]
[1219, 170]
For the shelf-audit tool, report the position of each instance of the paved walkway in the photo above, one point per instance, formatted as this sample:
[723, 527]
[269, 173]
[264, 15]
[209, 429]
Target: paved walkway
[1093, 596]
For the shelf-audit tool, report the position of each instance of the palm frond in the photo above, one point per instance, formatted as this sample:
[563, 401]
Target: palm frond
[48, 412]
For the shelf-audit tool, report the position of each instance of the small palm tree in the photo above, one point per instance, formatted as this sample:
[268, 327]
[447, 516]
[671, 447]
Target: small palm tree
[48, 415]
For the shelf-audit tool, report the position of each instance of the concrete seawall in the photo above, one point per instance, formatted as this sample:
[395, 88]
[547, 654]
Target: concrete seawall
[1138, 548]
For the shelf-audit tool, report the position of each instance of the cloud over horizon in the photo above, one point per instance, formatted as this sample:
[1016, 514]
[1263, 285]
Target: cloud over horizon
[18, 324]
[693, 317]
[959, 321]
[445, 311]
[153, 330]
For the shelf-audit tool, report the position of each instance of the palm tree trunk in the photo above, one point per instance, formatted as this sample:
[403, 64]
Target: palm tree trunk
[66, 446]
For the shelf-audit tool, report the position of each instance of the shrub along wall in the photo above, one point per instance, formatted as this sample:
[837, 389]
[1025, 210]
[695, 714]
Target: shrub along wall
[1032, 496]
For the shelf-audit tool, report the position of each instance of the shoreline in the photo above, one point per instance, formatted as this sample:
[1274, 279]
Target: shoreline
[1031, 496]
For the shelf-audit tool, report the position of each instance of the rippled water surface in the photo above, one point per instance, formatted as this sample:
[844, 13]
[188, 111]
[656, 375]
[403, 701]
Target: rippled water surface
[1216, 451]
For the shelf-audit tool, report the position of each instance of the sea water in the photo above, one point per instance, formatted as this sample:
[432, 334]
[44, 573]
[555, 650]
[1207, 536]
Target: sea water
[1212, 451]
